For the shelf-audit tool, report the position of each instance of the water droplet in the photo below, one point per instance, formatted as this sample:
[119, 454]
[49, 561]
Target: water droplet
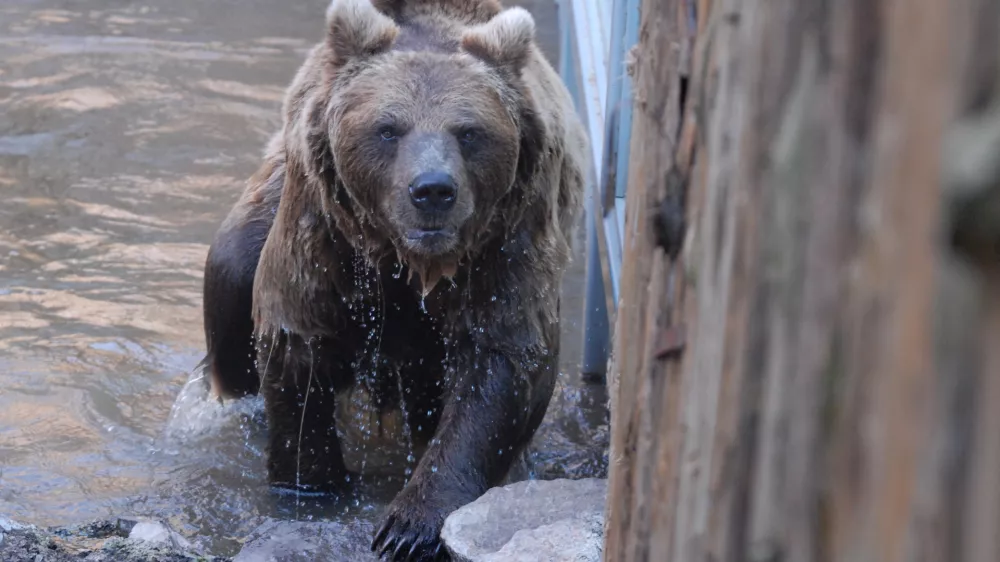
[434, 468]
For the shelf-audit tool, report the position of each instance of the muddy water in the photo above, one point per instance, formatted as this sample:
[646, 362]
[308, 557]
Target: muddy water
[126, 132]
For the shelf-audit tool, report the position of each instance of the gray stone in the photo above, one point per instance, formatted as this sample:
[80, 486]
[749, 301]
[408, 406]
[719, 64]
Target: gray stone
[156, 533]
[99, 541]
[305, 541]
[535, 520]
[9, 525]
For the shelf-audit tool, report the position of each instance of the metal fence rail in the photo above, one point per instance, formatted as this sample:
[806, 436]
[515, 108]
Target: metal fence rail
[596, 35]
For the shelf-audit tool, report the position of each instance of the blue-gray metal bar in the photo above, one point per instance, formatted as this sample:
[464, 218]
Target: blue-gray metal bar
[609, 169]
[590, 26]
[583, 66]
[596, 330]
[616, 80]
[630, 11]
[597, 35]
[614, 168]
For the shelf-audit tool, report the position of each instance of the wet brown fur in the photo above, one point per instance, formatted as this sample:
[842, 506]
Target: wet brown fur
[329, 305]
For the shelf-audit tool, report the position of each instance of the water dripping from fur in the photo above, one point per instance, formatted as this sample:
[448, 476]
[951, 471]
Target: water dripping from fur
[302, 424]
[407, 433]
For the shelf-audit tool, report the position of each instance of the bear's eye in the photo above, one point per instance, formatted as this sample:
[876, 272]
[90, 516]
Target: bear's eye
[468, 135]
[387, 133]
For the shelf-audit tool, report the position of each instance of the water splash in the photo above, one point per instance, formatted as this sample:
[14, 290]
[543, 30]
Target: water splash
[267, 364]
[302, 424]
[366, 411]
[197, 414]
[407, 433]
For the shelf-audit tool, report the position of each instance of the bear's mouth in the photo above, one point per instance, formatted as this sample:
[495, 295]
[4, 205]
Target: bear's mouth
[430, 241]
[429, 234]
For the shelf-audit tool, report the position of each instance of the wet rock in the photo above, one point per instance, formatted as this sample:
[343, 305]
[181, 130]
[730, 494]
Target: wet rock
[550, 520]
[101, 541]
[129, 550]
[101, 529]
[154, 532]
[305, 541]
[6, 526]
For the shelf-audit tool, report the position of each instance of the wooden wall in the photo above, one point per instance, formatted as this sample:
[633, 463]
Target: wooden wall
[815, 374]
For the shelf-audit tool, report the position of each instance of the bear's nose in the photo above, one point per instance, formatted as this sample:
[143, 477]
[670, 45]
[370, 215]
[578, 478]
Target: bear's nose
[433, 191]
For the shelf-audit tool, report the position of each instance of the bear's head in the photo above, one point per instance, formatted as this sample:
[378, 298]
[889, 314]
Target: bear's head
[426, 123]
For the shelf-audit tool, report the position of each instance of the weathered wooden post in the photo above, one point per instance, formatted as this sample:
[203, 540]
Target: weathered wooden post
[815, 375]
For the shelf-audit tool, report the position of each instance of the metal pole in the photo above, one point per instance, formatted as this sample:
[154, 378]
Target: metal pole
[577, 62]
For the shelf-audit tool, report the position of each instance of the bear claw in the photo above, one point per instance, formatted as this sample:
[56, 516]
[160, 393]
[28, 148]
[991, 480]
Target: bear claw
[408, 538]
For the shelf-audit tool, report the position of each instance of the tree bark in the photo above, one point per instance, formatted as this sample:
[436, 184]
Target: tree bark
[839, 286]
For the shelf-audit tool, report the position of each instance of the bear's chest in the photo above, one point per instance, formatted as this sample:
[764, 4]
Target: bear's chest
[388, 318]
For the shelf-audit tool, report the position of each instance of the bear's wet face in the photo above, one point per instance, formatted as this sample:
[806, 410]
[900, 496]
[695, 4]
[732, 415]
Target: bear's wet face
[425, 128]
[427, 146]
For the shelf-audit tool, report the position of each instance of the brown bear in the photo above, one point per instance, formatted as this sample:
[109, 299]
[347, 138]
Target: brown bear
[406, 234]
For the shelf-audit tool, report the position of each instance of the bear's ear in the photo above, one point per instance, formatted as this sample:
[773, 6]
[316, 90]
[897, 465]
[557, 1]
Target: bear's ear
[355, 29]
[504, 41]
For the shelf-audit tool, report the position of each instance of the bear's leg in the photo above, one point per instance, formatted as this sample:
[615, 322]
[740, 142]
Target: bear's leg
[227, 308]
[491, 415]
[300, 380]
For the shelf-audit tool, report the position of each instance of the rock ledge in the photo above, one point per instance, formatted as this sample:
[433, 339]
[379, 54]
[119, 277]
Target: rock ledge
[116, 540]
[531, 521]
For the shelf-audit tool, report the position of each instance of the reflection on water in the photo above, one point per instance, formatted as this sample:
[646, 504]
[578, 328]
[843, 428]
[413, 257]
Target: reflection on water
[126, 132]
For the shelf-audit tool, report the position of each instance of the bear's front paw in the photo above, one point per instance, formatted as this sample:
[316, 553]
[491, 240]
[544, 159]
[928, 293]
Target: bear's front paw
[410, 531]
